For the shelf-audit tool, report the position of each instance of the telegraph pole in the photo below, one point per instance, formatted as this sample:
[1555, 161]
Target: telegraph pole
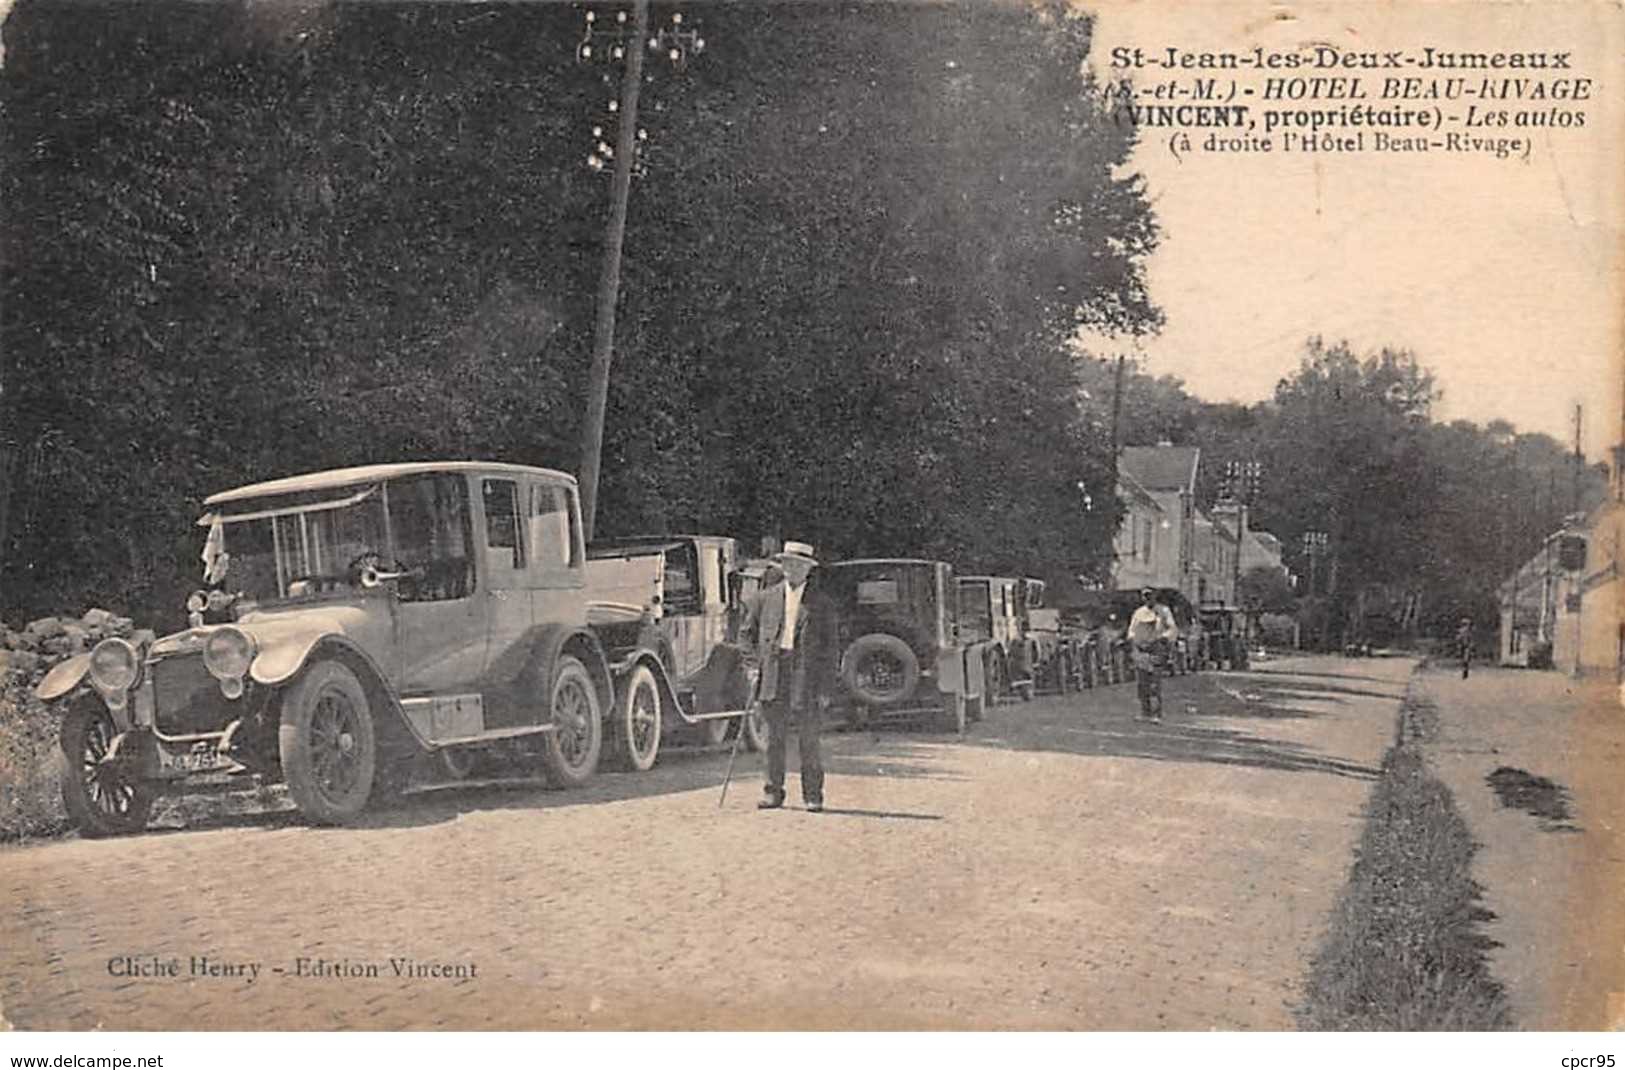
[1117, 411]
[1579, 461]
[609, 279]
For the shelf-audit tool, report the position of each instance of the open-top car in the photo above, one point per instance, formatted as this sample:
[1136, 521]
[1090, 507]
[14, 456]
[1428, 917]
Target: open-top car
[903, 654]
[668, 609]
[357, 620]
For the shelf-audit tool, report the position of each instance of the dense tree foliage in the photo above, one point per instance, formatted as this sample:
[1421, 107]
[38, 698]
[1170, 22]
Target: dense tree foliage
[246, 240]
[1420, 516]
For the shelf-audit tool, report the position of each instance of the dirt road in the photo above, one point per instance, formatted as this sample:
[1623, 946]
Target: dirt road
[1062, 866]
[1533, 760]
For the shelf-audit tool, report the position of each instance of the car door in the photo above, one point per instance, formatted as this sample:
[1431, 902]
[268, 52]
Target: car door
[558, 568]
[505, 684]
[682, 608]
[439, 618]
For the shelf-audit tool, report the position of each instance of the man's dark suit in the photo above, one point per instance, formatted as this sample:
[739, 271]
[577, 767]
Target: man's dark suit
[793, 682]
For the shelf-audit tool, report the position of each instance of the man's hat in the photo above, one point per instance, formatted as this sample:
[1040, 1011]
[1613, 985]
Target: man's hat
[1146, 592]
[799, 550]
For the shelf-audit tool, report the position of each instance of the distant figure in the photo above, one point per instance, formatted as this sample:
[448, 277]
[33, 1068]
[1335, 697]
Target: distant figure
[1151, 635]
[1464, 645]
[792, 626]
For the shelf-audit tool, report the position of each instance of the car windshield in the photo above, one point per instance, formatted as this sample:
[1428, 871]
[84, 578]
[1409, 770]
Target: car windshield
[317, 545]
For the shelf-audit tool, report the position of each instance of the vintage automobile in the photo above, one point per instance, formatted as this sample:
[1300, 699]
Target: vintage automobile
[668, 609]
[903, 652]
[359, 621]
[1055, 656]
[989, 616]
[1223, 630]
[1088, 620]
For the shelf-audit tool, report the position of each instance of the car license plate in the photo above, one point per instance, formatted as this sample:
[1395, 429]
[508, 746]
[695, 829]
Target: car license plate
[204, 759]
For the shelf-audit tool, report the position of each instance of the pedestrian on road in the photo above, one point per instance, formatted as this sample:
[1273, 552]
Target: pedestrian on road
[792, 627]
[1151, 634]
[1464, 645]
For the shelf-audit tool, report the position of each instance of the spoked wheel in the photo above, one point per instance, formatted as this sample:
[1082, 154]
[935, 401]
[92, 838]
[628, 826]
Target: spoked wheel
[100, 799]
[637, 722]
[329, 750]
[570, 754]
[754, 725]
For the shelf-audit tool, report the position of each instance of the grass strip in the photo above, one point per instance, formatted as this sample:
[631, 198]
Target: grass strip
[1404, 950]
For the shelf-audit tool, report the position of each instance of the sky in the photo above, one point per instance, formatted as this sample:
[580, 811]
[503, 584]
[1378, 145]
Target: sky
[1505, 277]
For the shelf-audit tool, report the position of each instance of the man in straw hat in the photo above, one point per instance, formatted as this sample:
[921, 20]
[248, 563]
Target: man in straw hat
[792, 626]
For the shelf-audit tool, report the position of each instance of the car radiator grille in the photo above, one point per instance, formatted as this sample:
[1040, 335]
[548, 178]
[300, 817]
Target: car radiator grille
[188, 699]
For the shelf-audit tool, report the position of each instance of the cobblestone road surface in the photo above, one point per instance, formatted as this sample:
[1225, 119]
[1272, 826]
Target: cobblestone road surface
[1062, 866]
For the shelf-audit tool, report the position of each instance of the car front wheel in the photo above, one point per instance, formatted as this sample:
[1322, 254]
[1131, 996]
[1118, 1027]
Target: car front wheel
[570, 755]
[329, 749]
[100, 799]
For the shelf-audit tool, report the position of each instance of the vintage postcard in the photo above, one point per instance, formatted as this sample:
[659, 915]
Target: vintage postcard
[973, 515]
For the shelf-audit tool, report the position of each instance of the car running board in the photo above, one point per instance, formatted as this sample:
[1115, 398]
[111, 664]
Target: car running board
[496, 734]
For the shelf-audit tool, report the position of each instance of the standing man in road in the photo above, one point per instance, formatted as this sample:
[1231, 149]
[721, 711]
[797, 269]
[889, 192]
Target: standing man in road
[792, 626]
[1151, 632]
[1464, 645]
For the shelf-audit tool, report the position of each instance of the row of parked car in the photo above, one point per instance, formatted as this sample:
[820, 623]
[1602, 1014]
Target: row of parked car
[369, 628]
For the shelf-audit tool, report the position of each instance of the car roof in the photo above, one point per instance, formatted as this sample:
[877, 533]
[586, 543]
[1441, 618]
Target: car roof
[334, 478]
[997, 579]
[652, 542]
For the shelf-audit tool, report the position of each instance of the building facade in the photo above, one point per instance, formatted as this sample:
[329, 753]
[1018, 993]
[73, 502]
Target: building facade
[1575, 613]
[1166, 541]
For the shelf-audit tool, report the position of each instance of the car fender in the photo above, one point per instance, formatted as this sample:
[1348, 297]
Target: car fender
[63, 678]
[650, 659]
[285, 642]
[546, 642]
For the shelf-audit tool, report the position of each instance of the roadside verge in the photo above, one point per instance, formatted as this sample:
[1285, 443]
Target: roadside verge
[1404, 949]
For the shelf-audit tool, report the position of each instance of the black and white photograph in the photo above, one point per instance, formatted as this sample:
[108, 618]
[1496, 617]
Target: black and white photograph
[812, 516]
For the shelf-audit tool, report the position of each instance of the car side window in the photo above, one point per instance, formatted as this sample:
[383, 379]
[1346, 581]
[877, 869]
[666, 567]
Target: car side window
[429, 525]
[504, 538]
[681, 583]
[554, 529]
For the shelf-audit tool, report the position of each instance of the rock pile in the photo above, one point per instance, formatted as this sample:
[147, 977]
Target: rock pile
[29, 654]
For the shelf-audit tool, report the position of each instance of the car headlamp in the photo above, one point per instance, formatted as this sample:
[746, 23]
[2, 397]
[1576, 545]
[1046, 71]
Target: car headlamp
[228, 652]
[114, 665]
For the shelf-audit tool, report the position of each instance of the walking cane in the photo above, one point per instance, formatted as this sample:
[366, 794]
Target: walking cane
[733, 754]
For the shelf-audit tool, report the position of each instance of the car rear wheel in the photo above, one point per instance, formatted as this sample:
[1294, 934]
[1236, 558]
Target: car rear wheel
[880, 669]
[570, 753]
[637, 721]
[101, 800]
[328, 747]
